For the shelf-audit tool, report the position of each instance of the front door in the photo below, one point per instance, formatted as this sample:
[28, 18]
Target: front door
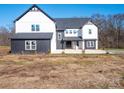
[90, 44]
[68, 44]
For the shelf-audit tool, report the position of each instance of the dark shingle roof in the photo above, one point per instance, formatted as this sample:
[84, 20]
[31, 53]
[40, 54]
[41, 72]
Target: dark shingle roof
[70, 23]
[72, 38]
[32, 36]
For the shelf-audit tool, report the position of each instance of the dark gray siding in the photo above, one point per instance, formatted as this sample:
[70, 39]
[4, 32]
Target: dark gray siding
[18, 46]
[59, 43]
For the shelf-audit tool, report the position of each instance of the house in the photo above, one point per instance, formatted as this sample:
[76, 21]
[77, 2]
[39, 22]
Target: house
[36, 31]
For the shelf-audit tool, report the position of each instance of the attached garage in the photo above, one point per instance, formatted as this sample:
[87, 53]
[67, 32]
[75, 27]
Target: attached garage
[31, 43]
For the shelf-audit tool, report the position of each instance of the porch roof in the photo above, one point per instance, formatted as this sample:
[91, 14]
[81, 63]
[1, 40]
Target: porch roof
[32, 36]
[72, 39]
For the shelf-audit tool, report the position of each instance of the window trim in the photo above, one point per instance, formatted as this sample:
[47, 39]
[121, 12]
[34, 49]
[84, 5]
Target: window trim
[90, 31]
[30, 45]
[59, 36]
[70, 31]
[90, 44]
[35, 27]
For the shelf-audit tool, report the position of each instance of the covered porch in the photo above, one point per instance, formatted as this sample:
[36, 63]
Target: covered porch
[72, 43]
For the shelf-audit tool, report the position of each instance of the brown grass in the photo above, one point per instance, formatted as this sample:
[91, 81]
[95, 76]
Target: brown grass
[61, 71]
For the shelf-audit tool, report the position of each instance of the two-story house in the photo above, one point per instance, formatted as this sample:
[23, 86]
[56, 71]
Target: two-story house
[36, 31]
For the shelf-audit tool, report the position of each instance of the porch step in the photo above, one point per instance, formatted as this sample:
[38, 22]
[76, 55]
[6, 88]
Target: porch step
[71, 51]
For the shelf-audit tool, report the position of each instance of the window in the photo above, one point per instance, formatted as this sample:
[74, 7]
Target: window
[90, 44]
[35, 27]
[30, 45]
[90, 31]
[59, 36]
[66, 31]
[70, 31]
[75, 31]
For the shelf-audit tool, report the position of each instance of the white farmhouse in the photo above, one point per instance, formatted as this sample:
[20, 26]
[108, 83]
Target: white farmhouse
[36, 31]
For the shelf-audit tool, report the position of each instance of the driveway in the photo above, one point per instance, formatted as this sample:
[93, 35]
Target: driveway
[116, 51]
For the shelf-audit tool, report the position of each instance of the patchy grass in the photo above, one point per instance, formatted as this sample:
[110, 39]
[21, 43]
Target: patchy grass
[61, 71]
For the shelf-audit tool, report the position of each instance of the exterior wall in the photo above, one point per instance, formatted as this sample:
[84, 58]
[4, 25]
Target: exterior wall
[59, 42]
[36, 17]
[85, 32]
[87, 36]
[18, 46]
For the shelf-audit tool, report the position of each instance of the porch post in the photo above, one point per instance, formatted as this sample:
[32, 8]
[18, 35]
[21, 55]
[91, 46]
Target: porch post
[96, 44]
[83, 44]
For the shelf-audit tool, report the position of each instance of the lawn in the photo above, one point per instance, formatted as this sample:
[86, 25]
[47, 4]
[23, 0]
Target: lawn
[61, 71]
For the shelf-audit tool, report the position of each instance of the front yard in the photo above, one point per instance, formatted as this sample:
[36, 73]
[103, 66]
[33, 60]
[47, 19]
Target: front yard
[61, 71]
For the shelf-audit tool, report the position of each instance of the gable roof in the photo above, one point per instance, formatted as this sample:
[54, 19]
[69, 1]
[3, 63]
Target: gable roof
[70, 23]
[29, 10]
[32, 36]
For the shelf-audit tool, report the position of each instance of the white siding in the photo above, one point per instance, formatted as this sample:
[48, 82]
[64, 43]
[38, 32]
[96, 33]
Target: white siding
[36, 17]
[87, 36]
[71, 34]
[24, 24]
[85, 32]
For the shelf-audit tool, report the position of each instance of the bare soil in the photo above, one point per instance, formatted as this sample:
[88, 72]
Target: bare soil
[61, 71]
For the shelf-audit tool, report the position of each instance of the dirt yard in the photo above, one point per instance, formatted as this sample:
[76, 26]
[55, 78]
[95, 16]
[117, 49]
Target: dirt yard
[61, 71]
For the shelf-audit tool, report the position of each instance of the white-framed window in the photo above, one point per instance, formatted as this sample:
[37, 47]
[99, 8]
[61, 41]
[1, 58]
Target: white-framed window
[59, 36]
[90, 44]
[30, 45]
[90, 31]
[74, 31]
[70, 31]
[35, 27]
[66, 31]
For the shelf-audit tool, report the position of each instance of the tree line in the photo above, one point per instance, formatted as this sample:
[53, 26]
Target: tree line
[111, 31]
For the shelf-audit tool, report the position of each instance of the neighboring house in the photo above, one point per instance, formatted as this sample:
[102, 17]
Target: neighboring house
[36, 31]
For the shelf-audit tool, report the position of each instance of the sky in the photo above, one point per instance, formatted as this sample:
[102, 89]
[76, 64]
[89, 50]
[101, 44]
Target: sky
[9, 12]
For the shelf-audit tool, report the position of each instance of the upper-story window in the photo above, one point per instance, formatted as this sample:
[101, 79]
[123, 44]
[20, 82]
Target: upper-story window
[90, 31]
[59, 36]
[66, 31]
[75, 31]
[35, 27]
[70, 31]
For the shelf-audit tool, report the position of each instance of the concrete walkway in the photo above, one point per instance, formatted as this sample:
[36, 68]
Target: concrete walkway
[72, 51]
[95, 51]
